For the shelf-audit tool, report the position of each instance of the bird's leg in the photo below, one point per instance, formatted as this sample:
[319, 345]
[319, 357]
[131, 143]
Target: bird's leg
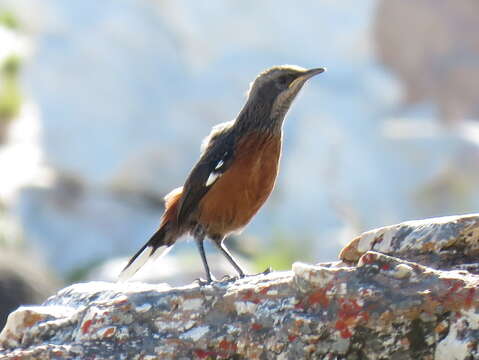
[219, 244]
[221, 247]
[199, 235]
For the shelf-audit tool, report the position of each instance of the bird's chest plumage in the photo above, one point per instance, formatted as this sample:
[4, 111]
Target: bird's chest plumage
[239, 193]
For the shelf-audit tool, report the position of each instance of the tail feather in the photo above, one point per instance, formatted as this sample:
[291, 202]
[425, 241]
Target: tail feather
[161, 241]
[155, 247]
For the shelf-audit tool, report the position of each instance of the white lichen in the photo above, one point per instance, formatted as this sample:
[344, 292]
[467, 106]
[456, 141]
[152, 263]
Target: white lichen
[245, 307]
[318, 275]
[402, 271]
[195, 333]
[451, 347]
[192, 304]
[143, 308]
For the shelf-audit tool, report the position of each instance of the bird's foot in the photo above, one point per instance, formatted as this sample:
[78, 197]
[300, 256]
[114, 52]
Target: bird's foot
[266, 271]
[203, 282]
[227, 278]
[242, 276]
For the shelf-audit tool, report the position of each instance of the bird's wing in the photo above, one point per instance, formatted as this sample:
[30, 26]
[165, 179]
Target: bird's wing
[218, 153]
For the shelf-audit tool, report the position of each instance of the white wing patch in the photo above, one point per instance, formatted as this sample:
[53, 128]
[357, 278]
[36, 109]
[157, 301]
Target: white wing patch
[212, 178]
[216, 173]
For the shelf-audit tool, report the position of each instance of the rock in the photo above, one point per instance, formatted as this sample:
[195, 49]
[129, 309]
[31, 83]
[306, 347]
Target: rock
[372, 306]
[450, 242]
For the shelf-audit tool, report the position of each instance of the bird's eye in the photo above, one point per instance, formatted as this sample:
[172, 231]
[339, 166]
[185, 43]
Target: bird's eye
[283, 81]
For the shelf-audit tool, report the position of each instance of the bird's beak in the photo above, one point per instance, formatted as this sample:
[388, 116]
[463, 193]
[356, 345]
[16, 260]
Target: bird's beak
[308, 74]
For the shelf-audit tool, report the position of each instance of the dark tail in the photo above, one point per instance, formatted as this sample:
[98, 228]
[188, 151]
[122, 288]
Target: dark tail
[158, 245]
[161, 241]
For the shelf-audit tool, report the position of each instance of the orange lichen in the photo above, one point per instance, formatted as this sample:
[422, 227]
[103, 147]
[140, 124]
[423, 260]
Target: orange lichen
[428, 247]
[109, 332]
[32, 319]
[228, 346]
[343, 329]
[469, 297]
[350, 252]
[457, 296]
[256, 326]
[86, 326]
[204, 354]
[368, 258]
[319, 297]
[264, 291]
[441, 327]
[249, 295]
[349, 314]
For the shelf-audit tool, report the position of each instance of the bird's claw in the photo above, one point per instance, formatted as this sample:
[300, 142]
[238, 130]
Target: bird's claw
[202, 282]
[267, 271]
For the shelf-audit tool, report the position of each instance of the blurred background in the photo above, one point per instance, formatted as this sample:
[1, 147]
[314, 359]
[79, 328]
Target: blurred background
[103, 106]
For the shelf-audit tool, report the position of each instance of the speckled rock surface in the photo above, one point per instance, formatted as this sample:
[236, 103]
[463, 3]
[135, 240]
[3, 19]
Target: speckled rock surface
[381, 307]
[450, 242]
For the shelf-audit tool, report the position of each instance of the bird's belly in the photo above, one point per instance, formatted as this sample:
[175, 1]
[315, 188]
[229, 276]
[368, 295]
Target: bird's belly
[240, 192]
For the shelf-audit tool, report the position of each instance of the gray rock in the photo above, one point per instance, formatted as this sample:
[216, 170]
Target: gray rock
[450, 242]
[382, 307]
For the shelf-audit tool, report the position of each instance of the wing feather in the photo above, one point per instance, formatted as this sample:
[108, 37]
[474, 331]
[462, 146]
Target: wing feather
[217, 155]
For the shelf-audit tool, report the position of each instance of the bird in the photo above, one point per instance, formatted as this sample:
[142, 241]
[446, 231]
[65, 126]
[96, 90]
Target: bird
[235, 173]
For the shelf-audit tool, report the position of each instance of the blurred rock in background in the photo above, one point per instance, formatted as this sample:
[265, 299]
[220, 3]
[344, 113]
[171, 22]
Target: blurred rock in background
[119, 95]
[430, 45]
[23, 280]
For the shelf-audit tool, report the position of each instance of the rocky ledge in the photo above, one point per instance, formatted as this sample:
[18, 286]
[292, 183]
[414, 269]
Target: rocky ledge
[401, 292]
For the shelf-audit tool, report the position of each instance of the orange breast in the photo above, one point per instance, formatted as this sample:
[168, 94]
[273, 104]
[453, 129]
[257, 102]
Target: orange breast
[239, 193]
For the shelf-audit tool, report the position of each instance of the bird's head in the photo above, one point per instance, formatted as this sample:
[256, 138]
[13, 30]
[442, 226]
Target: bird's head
[275, 89]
